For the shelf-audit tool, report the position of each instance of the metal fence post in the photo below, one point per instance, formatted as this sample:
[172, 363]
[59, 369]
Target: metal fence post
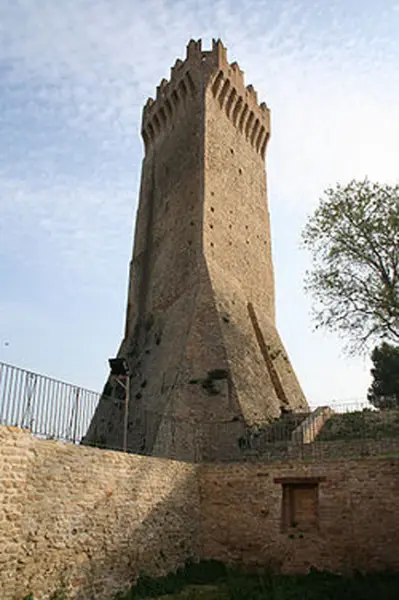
[75, 427]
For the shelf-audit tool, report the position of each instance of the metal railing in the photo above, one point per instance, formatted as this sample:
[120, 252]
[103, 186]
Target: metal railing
[57, 410]
[45, 406]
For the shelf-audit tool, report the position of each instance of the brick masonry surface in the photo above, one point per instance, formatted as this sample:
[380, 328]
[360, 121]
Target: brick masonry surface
[357, 518]
[89, 520]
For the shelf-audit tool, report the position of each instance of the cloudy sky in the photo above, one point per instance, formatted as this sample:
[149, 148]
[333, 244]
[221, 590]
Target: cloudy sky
[73, 78]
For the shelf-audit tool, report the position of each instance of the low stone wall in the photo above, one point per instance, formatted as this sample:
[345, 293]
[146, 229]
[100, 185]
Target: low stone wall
[339, 449]
[351, 523]
[87, 520]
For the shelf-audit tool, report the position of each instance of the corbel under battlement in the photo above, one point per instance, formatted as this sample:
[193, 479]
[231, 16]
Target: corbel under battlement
[209, 68]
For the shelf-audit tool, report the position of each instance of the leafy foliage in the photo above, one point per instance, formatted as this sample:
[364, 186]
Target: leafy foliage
[384, 390]
[353, 237]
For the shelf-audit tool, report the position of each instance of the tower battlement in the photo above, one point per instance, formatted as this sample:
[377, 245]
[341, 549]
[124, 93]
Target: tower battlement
[202, 69]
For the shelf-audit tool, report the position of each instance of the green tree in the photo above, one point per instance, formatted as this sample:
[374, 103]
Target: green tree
[353, 237]
[384, 390]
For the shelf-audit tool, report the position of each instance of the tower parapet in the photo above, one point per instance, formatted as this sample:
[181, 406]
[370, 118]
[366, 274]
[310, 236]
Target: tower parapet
[189, 78]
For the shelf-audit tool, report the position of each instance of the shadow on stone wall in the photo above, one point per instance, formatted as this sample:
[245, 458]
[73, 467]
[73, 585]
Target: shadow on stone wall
[92, 520]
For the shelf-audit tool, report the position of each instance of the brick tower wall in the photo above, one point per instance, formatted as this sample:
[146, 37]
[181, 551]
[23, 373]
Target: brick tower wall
[201, 292]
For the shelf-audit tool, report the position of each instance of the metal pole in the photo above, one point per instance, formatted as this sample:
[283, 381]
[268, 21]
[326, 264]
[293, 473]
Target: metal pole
[127, 393]
[75, 428]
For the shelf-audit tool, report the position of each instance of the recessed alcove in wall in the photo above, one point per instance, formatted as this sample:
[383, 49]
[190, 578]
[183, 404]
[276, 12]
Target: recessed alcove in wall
[300, 503]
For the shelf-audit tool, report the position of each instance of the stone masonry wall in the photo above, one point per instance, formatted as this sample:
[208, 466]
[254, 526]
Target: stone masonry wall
[87, 519]
[237, 248]
[353, 526]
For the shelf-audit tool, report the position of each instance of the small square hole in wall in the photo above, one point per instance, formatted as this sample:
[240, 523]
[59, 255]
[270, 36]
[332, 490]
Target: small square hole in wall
[300, 505]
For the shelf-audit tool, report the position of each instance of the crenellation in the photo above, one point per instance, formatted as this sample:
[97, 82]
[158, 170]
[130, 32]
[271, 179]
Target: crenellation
[161, 112]
[220, 53]
[207, 67]
[176, 67]
[240, 102]
[237, 76]
[194, 49]
[251, 92]
[148, 104]
[161, 89]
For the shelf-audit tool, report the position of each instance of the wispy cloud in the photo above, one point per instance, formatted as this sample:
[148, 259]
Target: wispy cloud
[74, 76]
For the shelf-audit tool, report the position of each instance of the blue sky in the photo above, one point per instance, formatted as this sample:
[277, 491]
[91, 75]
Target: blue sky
[73, 78]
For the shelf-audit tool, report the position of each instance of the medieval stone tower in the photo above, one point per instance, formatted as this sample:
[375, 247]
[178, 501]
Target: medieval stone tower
[200, 335]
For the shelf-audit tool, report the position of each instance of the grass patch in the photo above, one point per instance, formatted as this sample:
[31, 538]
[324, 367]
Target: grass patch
[358, 425]
[210, 580]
